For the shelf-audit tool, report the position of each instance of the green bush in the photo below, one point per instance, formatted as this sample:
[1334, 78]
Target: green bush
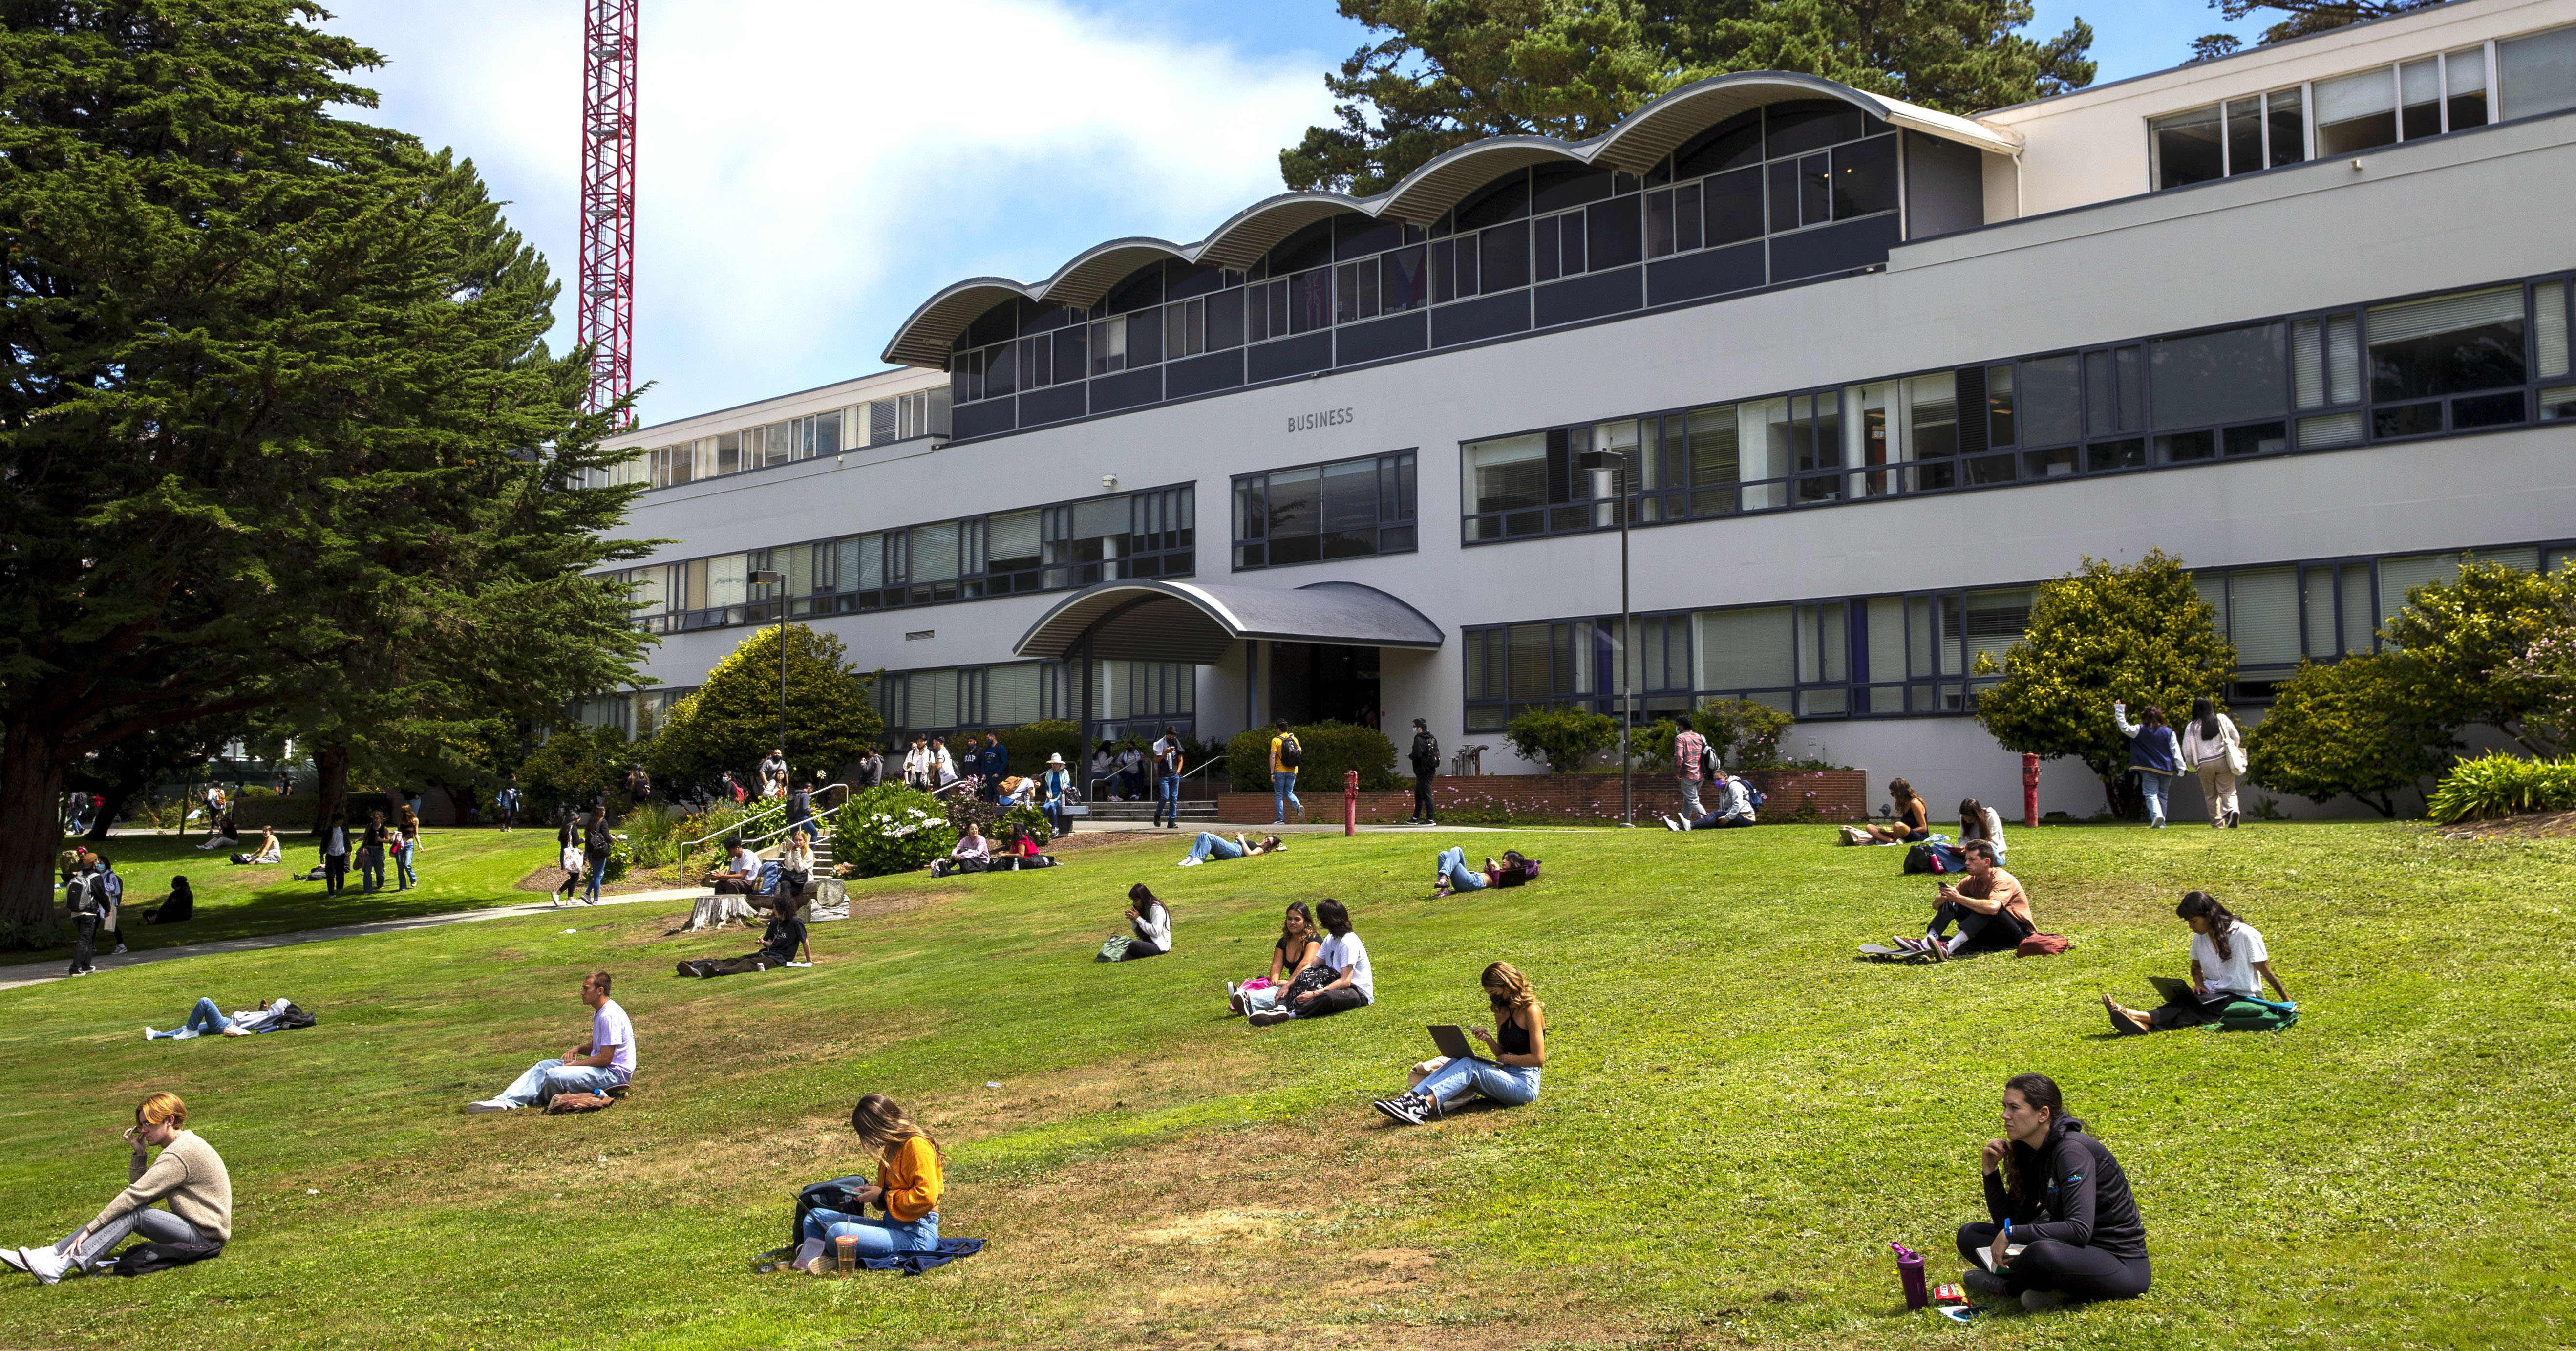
[2352, 727]
[2498, 784]
[621, 858]
[891, 829]
[1652, 747]
[964, 810]
[1564, 737]
[655, 832]
[1330, 750]
[18, 937]
[1745, 730]
[1031, 743]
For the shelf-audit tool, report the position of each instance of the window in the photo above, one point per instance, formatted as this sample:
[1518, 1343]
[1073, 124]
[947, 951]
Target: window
[2233, 375]
[1345, 509]
[1505, 486]
[2445, 345]
[2240, 136]
[2537, 74]
[2356, 112]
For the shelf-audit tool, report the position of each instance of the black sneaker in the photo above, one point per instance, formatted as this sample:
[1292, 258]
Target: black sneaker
[1985, 1282]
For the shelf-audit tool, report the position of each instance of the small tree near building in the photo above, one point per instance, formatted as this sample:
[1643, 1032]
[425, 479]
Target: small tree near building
[2139, 634]
[2350, 728]
[732, 721]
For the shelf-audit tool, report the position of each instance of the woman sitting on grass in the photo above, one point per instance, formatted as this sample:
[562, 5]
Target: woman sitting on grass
[1020, 850]
[973, 854]
[1353, 984]
[2057, 1195]
[269, 850]
[2228, 963]
[189, 1177]
[907, 1189]
[1977, 821]
[1218, 847]
[1150, 922]
[1913, 820]
[1291, 957]
[1519, 1044]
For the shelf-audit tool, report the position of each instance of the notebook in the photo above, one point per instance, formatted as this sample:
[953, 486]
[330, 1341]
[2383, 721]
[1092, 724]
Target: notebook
[1986, 1254]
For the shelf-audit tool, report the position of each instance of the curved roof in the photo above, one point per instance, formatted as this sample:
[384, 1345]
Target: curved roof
[1192, 622]
[1634, 145]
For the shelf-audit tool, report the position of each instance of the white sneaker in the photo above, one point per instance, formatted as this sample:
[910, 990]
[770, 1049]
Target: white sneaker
[13, 1259]
[490, 1105]
[119, 948]
[1670, 823]
[1189, 863]
[148, 1035]
[45, 1264]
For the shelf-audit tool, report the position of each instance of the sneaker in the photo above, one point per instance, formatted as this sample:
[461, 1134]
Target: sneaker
[120, 948]
[1266, 1017]
[148, 1035]
[2041, 1301]
[2232, 820]
[490, 1105]
[46, 1265]
[13, 1259]
[1189, 863]
[1406, 1109]
[1431, 823]
[1985, 1282]
[1669, 823]
[1233, 997]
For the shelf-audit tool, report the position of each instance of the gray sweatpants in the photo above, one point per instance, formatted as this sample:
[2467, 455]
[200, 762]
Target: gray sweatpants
[156, 1226]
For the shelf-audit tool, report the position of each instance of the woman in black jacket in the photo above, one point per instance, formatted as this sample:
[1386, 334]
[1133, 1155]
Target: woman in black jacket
[2059, 1198]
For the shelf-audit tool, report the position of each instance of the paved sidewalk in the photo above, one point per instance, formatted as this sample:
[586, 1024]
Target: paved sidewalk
[12, 977]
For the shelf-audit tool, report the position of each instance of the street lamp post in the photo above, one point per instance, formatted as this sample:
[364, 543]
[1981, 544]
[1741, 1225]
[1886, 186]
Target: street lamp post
[1606, 459]
[779, 579]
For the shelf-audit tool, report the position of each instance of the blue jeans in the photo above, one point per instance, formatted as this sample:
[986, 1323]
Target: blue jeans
[371, 868]
[1167, 798]
[877, 1238]
[156, 1226]
[404, 870]
[207, 1018]
[2154, 787]
[1713, 821]
[1454, 871]
[1268, 998]
[546, 1078]
[1283, 788]
[1459, 1080]
[1209, 846]
[598, 861]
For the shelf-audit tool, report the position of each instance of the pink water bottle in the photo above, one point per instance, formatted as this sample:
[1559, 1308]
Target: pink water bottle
[1909, 1268]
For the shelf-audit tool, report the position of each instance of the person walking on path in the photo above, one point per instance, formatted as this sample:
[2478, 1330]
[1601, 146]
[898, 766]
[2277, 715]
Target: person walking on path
[1285, 754]
[1167, 779]
[595, 844]
[1689, 748]
[604, 1062]
[2214, 750]
[335, 855]
[508, 801]
[1425, 759]
[2154, 754]
[406, 844]
[81, 896]
[188, 1177]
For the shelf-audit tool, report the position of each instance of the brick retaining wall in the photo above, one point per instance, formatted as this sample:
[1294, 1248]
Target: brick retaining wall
[1835, 794]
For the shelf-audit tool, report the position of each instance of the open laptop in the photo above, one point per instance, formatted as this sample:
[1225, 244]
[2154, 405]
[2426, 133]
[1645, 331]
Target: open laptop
[2176, 990]
[1452, 1040]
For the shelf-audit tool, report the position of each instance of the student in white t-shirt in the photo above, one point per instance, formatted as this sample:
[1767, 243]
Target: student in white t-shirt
[2228, 963]
[595, 1066]
[1354, 985]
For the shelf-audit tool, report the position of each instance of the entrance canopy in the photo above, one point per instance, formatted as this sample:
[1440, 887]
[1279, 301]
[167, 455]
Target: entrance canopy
[1186, 621]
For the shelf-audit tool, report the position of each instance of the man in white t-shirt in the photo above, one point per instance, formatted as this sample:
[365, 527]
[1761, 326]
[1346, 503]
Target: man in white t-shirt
[1343, 954]
[595, 1066]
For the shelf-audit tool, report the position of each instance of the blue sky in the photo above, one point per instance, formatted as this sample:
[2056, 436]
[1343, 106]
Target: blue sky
[811, 170]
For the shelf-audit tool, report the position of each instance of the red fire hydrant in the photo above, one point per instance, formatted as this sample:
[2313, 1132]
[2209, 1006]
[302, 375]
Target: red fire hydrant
[1350, 802]
[2029, 789]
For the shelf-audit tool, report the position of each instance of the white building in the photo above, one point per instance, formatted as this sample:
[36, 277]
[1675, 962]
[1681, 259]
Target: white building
[2298, 315]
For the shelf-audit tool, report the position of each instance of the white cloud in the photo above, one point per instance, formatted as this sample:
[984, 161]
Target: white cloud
[810, 171]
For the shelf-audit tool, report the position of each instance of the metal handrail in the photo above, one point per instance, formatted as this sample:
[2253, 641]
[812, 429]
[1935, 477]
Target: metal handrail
[1202, 769]
[737, 827]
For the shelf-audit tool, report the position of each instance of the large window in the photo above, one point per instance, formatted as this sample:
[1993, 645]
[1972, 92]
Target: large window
[1345, 509]
[1770, 171]
[895, 418]
[1128, 698]
[1052, 548]
[2435, 365]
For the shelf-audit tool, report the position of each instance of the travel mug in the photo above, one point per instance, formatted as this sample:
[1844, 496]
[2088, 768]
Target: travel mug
[849, 1246]
[1909, 1268]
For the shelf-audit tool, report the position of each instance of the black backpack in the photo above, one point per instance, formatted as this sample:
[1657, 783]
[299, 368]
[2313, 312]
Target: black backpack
[1289, 754]
[293, 1018]
[832, 1195]
[1426, 753]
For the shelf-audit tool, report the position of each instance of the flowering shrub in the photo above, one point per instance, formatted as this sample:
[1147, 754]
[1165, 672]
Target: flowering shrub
[891, 829]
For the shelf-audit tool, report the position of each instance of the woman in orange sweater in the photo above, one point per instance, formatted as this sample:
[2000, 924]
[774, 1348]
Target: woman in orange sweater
[907, 1188]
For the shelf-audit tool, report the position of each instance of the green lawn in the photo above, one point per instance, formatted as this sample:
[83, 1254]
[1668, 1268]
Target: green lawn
[459, 870]
[1737, 1117]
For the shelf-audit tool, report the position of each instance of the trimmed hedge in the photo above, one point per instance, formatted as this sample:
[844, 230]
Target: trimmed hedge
[1331, 750]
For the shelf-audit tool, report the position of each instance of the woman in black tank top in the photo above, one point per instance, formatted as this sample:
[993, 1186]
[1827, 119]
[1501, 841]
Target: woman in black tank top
[1510, 1079]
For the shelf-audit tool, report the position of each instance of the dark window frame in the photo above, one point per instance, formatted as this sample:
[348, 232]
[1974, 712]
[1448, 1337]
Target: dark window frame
[1398, 529]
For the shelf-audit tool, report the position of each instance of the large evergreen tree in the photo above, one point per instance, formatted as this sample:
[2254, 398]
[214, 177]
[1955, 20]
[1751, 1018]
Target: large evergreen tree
[274, 396]
[1453, 71]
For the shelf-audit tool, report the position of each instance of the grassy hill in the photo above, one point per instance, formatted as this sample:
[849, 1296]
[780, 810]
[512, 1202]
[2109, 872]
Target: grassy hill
[1737, 1114]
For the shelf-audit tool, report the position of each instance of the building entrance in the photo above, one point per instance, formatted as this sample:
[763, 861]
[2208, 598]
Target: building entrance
[1316, 682]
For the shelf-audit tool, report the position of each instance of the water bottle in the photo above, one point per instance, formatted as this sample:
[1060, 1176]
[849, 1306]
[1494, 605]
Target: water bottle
[1909, 1269]
[849, 1258]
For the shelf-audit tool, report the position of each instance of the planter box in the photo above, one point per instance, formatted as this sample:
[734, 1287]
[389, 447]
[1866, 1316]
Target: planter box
[1834, 795]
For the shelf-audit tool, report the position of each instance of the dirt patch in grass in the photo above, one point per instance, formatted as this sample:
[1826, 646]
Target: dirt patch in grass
[2533, 826]
[551, 877]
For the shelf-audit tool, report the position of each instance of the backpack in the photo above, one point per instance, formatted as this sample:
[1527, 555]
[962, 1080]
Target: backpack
[1289, 754]
[292, 1019]
[1923, 858]
[145, 1258]
[76, 895]
[1752, 796]
[2255, 1015]
[1426, 753]
[1709, 768]
[833, 1195]
[565, 1103]
[2043, 945]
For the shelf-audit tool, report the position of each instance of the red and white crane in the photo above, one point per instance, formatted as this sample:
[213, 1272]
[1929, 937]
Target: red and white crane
[606, 322]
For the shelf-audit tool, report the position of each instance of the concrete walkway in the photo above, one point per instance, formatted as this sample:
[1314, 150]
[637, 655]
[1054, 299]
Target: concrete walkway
[12, 977]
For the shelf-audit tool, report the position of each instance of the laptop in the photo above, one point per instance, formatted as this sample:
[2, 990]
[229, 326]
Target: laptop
[1452, 1040]
[2176, 990]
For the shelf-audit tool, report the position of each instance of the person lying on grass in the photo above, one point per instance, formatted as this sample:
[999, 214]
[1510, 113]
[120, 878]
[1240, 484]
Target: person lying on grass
[1150, 923]
[778, 945]
[1451, 873]
[2228, 963]
[208, 1019]
[907, 1188]
[1989, 906]
[1519, 1044]
[1218, 847]
[595, 1066]
[2054, 1192]
[189, 1178]
[1353, 985]
[1291, 958]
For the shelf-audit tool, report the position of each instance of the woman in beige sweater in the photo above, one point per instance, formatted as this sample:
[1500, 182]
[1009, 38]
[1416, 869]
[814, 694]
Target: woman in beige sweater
[188, 1176]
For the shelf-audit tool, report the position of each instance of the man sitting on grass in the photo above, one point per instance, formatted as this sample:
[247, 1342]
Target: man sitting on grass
[1990, 908]
[778, 945]
[602, 1063]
